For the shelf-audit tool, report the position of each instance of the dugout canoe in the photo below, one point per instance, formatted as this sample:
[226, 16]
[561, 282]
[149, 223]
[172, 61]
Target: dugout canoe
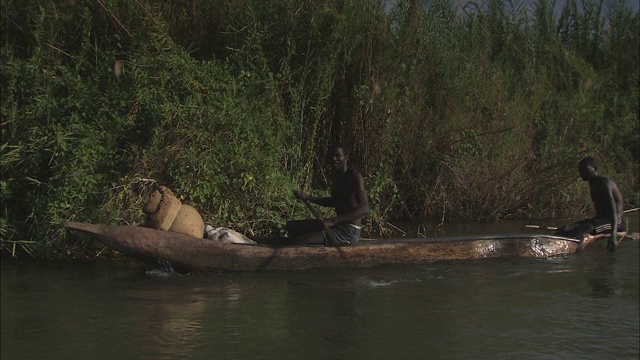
[187, 253]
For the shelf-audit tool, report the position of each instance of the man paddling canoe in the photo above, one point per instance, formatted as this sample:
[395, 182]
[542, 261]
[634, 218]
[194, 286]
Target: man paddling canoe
[608, 203]
[348, 198]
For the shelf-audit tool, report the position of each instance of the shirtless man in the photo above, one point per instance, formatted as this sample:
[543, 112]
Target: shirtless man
[608, 203]
[348, 198]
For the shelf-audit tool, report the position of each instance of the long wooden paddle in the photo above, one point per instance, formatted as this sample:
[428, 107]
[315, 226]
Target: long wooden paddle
[318, 216]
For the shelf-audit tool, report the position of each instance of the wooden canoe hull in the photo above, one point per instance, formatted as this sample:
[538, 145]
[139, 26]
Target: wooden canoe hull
[190, 253]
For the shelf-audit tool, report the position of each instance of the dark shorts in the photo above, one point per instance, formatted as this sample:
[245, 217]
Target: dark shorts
[346, 234]
[593, 226]
[603, 226]
[311, 231]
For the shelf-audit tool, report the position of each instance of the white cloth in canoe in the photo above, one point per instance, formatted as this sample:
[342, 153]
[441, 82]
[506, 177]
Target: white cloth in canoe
[226, 235]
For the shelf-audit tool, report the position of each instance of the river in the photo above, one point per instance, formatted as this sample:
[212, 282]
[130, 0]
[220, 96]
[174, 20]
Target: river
[582, 306]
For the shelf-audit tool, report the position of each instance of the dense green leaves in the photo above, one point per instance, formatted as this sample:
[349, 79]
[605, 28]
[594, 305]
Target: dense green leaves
[452, 112]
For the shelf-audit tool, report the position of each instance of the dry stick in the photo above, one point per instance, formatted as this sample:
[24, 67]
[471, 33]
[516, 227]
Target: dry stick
[69, 55]
[479, 135]
[542, 227]
[396, 228]
[114, 18]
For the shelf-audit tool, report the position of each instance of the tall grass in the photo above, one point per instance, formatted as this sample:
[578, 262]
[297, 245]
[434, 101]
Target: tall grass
[452, 112]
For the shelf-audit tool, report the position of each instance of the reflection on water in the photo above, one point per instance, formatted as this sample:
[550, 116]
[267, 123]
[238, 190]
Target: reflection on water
[583, 306]
[601, 277]
[173, 311]
[175, 315]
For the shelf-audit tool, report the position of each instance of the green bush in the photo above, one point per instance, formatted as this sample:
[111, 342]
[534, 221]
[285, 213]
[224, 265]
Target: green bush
[452, 113]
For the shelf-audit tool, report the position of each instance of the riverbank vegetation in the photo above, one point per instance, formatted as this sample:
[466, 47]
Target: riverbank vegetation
[452, 112]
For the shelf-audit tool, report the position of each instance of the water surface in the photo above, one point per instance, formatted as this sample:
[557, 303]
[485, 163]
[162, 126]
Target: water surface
[583, 306]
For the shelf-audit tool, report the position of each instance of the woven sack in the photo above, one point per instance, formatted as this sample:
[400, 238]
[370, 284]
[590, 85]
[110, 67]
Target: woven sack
[152, 205]
[166, 211]
[188, 222]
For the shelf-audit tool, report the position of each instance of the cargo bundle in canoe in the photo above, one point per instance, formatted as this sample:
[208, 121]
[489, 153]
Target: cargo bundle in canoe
[189, 253]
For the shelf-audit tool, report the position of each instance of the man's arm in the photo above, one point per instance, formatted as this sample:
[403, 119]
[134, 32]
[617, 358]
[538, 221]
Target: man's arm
[322, 201]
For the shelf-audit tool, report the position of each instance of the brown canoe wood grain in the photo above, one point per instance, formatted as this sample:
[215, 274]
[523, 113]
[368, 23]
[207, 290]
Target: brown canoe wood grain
[189, 253]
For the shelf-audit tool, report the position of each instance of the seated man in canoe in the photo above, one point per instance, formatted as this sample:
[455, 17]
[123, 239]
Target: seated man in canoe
[348, 198]
[608, 203]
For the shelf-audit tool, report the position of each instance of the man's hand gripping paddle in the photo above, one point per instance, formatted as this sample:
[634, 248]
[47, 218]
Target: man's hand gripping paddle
[318, 216]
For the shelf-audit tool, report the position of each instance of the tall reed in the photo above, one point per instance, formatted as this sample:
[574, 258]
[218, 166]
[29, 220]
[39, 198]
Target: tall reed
[454, 110]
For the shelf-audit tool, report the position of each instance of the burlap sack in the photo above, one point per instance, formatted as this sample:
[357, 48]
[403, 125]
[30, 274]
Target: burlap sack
[166, 211]
[188, 222]
[152, 205]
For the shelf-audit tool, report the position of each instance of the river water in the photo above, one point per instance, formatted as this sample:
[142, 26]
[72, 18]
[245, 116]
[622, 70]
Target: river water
[582, 306]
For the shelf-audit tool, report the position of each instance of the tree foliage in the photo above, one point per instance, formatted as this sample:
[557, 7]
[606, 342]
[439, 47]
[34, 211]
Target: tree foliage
[452, 112]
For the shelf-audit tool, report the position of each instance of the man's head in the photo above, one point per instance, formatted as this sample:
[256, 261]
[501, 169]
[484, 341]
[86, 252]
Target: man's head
[587, 168]
[339, 156]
